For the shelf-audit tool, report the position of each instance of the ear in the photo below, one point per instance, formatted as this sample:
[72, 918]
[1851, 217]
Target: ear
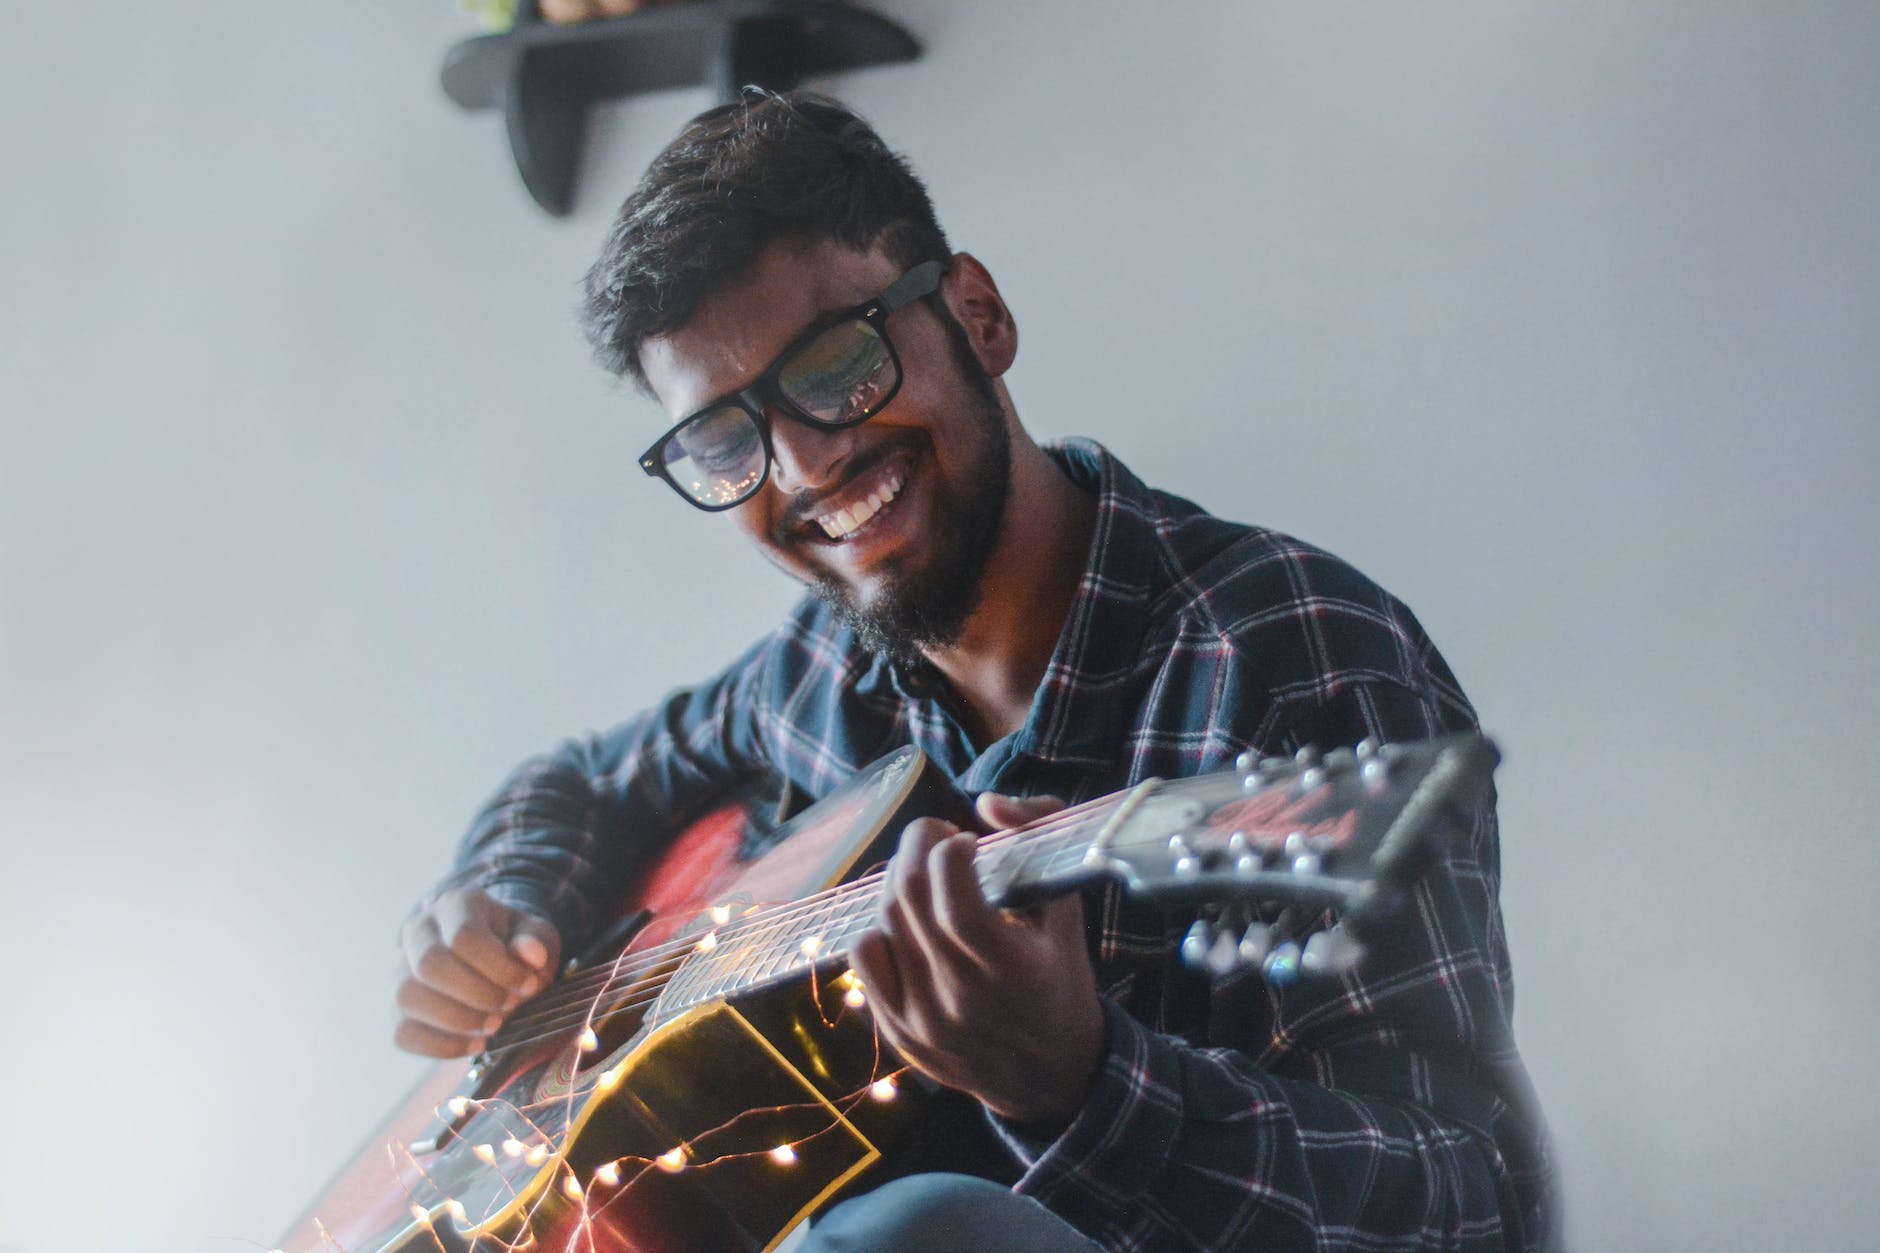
[977, 306]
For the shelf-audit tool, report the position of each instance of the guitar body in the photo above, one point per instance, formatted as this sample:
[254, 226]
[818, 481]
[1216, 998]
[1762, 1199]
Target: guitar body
[661, 1133]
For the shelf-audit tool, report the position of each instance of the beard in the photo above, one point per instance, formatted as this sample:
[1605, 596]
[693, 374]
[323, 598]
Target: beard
[927, 606]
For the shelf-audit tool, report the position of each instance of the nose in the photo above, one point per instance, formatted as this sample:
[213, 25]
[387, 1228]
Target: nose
[805, 458]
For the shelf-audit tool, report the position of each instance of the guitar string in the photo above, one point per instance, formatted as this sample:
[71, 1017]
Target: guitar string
[752, 937]
[558, 1021]
[579, 1001]
[785, 912]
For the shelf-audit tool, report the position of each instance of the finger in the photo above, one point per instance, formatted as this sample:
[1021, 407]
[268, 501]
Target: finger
[873, 962]
[415, 1037]
[909, 864]
[431, 963]
[536, 943]
[961, 915]
[431, 1008]
[477, 929]
[999, 811]
[907, 907]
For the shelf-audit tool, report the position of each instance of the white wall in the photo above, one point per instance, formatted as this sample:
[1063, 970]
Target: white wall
[1558, 319]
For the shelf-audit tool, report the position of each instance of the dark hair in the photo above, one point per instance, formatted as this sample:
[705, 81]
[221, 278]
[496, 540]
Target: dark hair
[737, 178]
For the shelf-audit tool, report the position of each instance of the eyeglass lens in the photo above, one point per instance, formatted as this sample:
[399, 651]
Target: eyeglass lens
[837, 378]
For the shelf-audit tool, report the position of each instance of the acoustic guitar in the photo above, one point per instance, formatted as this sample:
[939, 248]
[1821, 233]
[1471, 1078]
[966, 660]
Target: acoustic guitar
[714, 1080]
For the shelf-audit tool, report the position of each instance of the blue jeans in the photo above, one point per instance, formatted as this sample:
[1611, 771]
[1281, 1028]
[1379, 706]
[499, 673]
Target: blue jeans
[940, 1213]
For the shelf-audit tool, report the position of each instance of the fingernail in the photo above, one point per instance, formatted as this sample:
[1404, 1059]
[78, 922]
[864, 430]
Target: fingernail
[530, 950]
[491, 1023]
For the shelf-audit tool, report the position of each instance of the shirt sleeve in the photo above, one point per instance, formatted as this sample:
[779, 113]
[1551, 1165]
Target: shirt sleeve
[1376, 1110]
[564, 834]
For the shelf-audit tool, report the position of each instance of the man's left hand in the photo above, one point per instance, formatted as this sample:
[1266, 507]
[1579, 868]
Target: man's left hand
[1001, 1004]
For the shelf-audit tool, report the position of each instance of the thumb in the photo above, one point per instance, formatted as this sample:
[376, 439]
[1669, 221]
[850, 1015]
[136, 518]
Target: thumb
[999, 811]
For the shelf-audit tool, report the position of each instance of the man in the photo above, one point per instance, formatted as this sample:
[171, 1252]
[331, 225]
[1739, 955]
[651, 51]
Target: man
[1042, 626]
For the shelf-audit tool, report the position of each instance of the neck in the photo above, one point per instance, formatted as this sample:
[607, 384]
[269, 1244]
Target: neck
[1025, 595]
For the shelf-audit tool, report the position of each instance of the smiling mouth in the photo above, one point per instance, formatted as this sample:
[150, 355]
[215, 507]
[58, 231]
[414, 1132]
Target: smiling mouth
[876, 496]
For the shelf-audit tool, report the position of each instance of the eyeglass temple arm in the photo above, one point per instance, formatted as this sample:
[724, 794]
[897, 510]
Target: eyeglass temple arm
[911, 286]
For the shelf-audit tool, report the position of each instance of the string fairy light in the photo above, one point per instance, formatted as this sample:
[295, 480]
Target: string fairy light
[637, 982]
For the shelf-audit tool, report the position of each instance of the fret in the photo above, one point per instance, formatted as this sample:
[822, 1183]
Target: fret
[768, 946]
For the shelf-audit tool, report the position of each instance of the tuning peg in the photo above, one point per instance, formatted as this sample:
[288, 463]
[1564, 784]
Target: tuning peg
[1307, 863]
[1375, 775]
[1223, 955]
[1198, 943]
[1255, 944]
[1282, 963]
[1307, 756]
[1331, 951]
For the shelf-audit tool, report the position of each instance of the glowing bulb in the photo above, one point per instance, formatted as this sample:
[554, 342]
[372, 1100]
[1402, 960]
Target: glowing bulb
[572, 1187]
[850, 979]
[537, 1155]
[608, 1173]
[456, 1209]
[513, 1147]
[459, 1106]
[721, 914]
[783, 1155]
[882, 1089]
[672, 1161]
[589, 1041]
[707, 942]
[812, 946]
[485, 1153]
[854, 998]
[421, 1214]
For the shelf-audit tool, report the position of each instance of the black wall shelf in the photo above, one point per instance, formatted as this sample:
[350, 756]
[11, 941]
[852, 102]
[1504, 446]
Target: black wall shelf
[544, 77]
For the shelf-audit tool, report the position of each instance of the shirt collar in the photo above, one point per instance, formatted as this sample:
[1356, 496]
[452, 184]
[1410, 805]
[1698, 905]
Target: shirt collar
[1082, 711]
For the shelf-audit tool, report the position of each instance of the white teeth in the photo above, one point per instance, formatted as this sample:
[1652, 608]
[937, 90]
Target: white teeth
[845, 521]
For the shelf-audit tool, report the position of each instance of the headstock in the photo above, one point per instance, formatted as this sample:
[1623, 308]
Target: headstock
[1270, 847]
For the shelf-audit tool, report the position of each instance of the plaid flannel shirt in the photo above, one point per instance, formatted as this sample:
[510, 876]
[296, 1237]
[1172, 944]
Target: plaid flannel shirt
[1383, 1110]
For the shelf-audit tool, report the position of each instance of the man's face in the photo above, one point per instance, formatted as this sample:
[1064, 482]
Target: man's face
[933, 466]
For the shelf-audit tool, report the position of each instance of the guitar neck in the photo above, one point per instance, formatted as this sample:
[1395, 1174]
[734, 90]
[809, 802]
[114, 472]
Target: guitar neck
[1343, 832]
[768, 945]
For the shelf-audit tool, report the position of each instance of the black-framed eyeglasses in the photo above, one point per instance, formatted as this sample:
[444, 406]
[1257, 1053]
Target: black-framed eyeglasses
[839, 373]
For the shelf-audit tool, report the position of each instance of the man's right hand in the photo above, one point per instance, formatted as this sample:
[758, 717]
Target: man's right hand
[467, 961]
